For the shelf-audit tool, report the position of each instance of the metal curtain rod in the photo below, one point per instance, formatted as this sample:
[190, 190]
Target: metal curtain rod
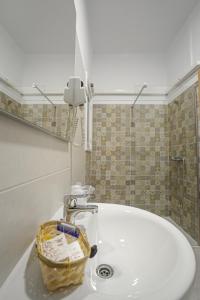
[43, 94]
[140, 92]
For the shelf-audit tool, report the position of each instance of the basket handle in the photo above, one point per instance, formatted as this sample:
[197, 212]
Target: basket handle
[93, 251]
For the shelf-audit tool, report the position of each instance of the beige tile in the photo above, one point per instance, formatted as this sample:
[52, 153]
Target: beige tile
[123, 148]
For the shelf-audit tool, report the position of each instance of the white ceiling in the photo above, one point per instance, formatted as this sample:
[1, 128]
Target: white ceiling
[117, 26]
[125, 26]
[40, 26]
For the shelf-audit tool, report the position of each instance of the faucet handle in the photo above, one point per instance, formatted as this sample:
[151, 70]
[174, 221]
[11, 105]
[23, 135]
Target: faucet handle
[70, 201]
[73, 203]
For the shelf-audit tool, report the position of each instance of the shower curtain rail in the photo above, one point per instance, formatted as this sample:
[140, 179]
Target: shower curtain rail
[43, 94]
[139, 94]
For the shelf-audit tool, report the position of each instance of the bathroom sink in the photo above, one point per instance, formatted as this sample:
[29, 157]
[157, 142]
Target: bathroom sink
[140, 256]
[149, 257]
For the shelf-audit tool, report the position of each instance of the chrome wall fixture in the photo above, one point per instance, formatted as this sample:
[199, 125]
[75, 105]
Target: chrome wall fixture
[177, 158]
[35, 86]
[139, 94]
[53, 123]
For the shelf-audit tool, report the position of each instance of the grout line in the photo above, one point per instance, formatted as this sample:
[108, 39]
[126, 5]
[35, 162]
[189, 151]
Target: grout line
[4, 190]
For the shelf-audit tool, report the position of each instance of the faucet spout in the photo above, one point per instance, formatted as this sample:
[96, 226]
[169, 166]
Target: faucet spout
[72, 209]
[72, 212]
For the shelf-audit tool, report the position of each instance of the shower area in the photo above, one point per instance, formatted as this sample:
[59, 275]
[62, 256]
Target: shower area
[146, 156]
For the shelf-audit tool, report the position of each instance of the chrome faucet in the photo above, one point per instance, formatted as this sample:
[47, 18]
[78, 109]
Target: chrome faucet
[72, 209]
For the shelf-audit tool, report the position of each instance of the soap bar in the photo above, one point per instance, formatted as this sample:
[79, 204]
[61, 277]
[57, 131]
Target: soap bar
[75, 251]
[56, 249]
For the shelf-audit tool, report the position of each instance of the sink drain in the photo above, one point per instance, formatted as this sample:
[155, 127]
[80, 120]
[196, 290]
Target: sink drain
[104, 271]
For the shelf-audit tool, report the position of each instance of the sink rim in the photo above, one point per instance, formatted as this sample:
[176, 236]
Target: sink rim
[187, 251]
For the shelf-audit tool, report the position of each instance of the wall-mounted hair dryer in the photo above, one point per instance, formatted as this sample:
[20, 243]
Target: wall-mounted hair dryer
[74, 93]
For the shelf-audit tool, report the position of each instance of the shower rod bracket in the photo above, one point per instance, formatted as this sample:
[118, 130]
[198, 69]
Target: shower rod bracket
[139, 94]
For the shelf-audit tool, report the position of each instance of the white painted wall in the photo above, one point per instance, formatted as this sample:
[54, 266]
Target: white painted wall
[160, 70]
[179, 57]
[51, 72]
[113, 71]
[184, 52]
[34, 175]
[11, 58]
[108, 71]
[195, 29]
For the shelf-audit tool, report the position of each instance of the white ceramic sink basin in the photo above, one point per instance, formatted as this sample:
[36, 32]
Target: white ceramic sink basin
[151, 259]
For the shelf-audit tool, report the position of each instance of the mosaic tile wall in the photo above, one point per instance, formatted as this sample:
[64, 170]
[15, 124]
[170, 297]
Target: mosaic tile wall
[9, 105]
[129, 162]
[184, 174]
[57, 121]
[46, 116]
[197, 214]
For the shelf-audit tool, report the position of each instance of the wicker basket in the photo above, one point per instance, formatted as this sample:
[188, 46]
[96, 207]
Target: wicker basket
[61, 274]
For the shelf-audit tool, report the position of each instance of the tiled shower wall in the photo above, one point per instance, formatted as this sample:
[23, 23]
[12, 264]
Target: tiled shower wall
[129, 162]
[131, 159]
[184, 174]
